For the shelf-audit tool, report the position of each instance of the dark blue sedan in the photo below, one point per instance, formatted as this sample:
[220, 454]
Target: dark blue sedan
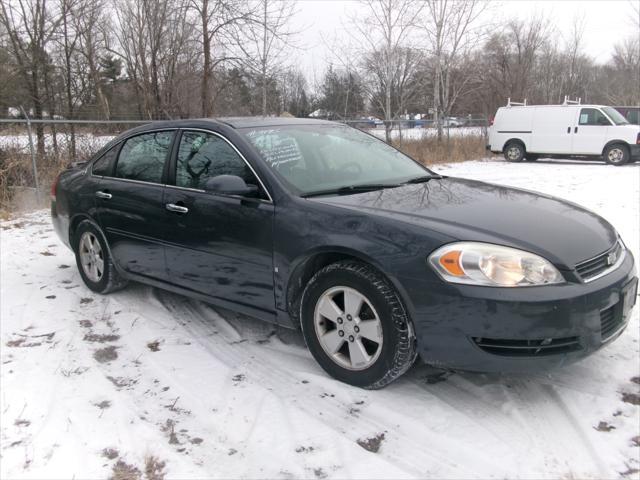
[318, 226]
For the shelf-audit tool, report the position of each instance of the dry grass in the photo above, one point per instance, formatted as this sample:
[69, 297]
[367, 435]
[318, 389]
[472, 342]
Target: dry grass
[16, 173]
[430, 151]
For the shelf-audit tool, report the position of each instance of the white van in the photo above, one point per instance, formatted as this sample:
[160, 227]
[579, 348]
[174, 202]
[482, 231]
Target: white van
[567, 131]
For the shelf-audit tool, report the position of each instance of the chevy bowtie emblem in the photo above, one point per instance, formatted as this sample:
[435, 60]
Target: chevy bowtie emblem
[611, 258]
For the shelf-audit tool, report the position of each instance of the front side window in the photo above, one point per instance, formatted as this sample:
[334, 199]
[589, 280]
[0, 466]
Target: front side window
[203, 155]
[104, 165]
[314, 158]
[142, 157]
[593, 116]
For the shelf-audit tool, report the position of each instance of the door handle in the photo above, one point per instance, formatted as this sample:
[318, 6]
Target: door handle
[575, 130]
[172, 207]
[105, 195]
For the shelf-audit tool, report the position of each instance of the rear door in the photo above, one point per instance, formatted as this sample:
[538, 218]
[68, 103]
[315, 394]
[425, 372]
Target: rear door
[129, 203]
[590, 132]
[552, 130]
[218, 245]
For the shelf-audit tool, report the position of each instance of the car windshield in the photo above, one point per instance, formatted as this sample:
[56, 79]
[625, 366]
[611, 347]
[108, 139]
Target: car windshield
[316, 159]
[615, 116]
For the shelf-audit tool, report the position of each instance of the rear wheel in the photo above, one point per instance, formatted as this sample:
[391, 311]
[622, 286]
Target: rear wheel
[514, 152]
[356, 326]
[617, 154]
[94, 261]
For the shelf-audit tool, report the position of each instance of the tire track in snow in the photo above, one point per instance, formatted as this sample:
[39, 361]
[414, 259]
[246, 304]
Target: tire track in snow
[403, 449]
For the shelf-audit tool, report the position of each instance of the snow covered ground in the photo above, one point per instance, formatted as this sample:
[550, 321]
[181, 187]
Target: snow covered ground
[84, 141]
[420, 133]
[144, 382]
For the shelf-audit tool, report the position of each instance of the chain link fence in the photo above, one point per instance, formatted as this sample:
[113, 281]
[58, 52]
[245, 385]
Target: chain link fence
[33, 152]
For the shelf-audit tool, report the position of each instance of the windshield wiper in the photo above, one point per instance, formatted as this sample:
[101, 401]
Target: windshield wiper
[424, 178]
[367, 187]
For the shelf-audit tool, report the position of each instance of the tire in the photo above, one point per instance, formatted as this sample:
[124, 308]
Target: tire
[514, 152]
[380, 327]
[94, 260]
[616, 154]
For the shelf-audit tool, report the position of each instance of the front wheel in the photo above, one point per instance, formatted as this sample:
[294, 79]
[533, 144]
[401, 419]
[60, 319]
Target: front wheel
[514, 152]
[356, 326]
[616, 154]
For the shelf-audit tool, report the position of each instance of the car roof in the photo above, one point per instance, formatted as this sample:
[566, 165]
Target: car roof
[244, 122]
[233, 122]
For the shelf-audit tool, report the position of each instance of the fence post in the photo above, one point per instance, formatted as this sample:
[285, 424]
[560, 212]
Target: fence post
[33, 154]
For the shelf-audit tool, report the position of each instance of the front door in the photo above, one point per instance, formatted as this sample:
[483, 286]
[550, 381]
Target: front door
[590, 133]
[218, 245]
[129, 204]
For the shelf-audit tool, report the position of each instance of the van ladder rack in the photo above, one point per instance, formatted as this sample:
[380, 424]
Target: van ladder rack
[567, 101]
[516, 104]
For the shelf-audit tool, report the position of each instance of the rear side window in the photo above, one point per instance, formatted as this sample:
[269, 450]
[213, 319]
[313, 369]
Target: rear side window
[104, 165]
[143, 157]
[593, 116]
[202, 156]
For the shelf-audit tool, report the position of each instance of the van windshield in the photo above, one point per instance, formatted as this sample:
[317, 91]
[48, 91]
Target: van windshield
[615, 116]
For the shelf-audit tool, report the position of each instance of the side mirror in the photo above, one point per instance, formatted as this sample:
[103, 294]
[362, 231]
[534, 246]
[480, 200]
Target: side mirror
[229, 185]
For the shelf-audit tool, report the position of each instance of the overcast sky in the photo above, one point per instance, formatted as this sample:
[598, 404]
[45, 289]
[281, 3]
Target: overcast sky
[606, 23]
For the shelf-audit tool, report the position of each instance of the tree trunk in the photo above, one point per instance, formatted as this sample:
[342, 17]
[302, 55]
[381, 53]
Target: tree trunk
[264, 62]
[206, 51]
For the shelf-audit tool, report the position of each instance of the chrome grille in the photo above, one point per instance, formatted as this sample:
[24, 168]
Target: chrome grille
[597, 265]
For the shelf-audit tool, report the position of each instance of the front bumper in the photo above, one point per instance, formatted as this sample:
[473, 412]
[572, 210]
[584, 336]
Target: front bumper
[520, 329]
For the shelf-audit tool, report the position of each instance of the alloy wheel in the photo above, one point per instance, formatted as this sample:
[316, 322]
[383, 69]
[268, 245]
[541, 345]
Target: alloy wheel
[91, 257]
[348, 328]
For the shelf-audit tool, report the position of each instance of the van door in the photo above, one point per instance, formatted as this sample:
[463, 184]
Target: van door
[590, 133]
[552, 130]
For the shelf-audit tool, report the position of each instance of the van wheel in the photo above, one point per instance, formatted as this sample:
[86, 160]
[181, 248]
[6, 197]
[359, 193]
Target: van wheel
[94, 261]
[514, 152]
[617, 154]
[356, 325]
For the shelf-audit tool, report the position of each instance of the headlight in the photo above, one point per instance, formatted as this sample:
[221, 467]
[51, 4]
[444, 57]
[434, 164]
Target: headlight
[477, 263]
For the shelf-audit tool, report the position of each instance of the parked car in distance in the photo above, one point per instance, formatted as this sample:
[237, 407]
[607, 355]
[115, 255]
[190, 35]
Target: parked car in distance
[321, 227]
[452, 122]
[564, 131]
[632, 114]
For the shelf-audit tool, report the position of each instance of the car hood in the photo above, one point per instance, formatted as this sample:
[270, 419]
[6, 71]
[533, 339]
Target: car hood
[560, 231]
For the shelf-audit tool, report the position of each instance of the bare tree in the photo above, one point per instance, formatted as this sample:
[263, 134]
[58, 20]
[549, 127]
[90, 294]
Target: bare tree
[30, 26]
[216, 18]
[384, 33]
[154, 38]
[265, 40]
[92, 23]
[452, 31]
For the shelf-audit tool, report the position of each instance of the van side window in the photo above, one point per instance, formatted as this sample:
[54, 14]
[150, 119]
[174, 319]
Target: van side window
[142, 157]
[593, 116]
[104, 165]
